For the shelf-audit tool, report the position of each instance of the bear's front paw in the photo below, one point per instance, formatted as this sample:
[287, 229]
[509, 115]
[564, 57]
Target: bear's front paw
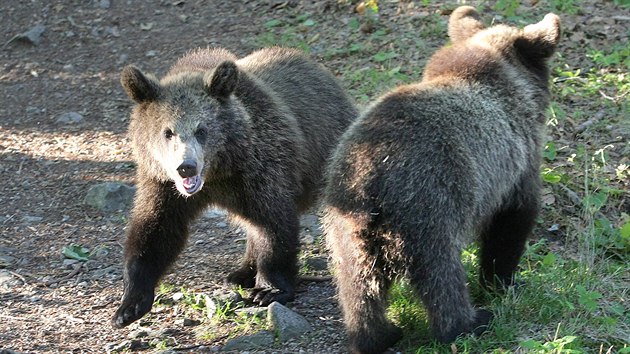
[265, 296]
[244, 276]
[133, 307]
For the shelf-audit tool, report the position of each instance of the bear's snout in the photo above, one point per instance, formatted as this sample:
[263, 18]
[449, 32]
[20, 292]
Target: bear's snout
[188, 168]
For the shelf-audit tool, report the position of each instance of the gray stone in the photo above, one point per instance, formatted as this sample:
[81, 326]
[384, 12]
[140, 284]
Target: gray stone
[8, 280]
[262, 339]
[215, 213]
[70, 118]
[30, 219]
[317, 263]
[110, 196]
[104, 4]
[5, 259]
[32, 36]
[189, 322]
[68, 262]
[311, 223]
[222, 224]
[286, 323]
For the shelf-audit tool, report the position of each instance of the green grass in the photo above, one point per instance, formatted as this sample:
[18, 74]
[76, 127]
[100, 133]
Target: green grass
[563, 306]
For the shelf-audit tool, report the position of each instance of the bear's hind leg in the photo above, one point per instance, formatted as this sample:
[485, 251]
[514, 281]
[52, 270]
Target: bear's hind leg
[439, 278]
[503, 242]
[362, 283]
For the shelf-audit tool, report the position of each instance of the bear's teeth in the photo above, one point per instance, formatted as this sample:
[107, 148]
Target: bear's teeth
[190, 182]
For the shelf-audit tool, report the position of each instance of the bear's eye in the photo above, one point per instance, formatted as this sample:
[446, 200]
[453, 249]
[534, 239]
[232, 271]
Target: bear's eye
[168, 134]
[201, 134]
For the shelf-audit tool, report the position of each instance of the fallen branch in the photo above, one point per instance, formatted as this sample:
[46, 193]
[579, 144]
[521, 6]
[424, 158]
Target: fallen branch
[75, 271]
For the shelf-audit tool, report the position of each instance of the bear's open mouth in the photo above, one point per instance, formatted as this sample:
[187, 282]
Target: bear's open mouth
[192, 184]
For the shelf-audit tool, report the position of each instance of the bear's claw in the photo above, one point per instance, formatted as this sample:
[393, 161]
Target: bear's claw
[265, 296]
[132, 308]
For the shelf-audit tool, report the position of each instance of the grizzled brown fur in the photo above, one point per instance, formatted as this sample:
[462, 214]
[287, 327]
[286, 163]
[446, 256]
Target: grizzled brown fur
[250, 135]
[434, 165]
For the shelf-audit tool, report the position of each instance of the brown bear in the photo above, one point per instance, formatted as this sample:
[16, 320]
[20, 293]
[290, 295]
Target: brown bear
[249, 135]
[432, 164]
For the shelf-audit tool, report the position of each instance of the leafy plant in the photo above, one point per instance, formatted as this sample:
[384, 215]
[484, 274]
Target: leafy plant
[75, 251]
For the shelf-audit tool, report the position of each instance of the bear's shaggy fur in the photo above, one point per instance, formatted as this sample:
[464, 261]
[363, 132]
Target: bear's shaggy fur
[432, 164]
[250, 135]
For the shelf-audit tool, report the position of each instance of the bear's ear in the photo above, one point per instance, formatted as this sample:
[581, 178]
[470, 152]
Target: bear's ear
[221, 82]
[139, 87]
[464, 23]
[539, 41]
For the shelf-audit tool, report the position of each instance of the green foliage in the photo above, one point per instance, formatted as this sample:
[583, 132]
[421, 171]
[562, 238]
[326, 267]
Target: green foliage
[559, 345]
[565, 6]
[75, 251]
[367, 81]
[507, 7]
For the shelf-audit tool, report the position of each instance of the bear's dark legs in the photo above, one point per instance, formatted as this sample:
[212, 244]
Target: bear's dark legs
[363, 298]
[156, 235]
[503, 243]
[270, 261]
[439, 278]
[362, 283]
[245, 275]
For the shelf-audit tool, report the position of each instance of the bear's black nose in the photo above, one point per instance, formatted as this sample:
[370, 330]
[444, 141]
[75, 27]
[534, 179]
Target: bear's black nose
[188, 168]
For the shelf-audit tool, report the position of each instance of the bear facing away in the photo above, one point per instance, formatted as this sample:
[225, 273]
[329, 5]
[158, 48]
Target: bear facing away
[433, 164]
[250, 135]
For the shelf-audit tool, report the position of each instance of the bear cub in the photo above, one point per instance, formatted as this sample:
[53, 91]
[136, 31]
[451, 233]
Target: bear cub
[249, 135]
[433, 165]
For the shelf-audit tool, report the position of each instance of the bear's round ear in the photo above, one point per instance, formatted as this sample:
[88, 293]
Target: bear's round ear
[139, 87]
[221, 82]
[464, 23]
[540, 39]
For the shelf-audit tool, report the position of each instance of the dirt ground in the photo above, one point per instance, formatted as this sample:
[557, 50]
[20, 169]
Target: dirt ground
[49, 304]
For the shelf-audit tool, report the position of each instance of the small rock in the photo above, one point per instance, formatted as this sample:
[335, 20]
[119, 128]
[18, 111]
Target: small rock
[189, 322]
[136, 344]
[232, 297]
[317, 263]
[68, 262]
[100, 252]
[222, 224]
[286, 323]
[141, 333]
[5, 260]
[32, 36]
[8, 280]
[150, 53]
[104, 4]
[214, 213]
[309, 220]
[307, 238]
[8, 351]
[262, 339]
[29, 219]
[178, 296]
[122, 58]
[110, 196]
[70, 118]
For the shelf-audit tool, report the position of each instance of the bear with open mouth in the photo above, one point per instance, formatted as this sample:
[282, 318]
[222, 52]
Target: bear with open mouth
[249, 135]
